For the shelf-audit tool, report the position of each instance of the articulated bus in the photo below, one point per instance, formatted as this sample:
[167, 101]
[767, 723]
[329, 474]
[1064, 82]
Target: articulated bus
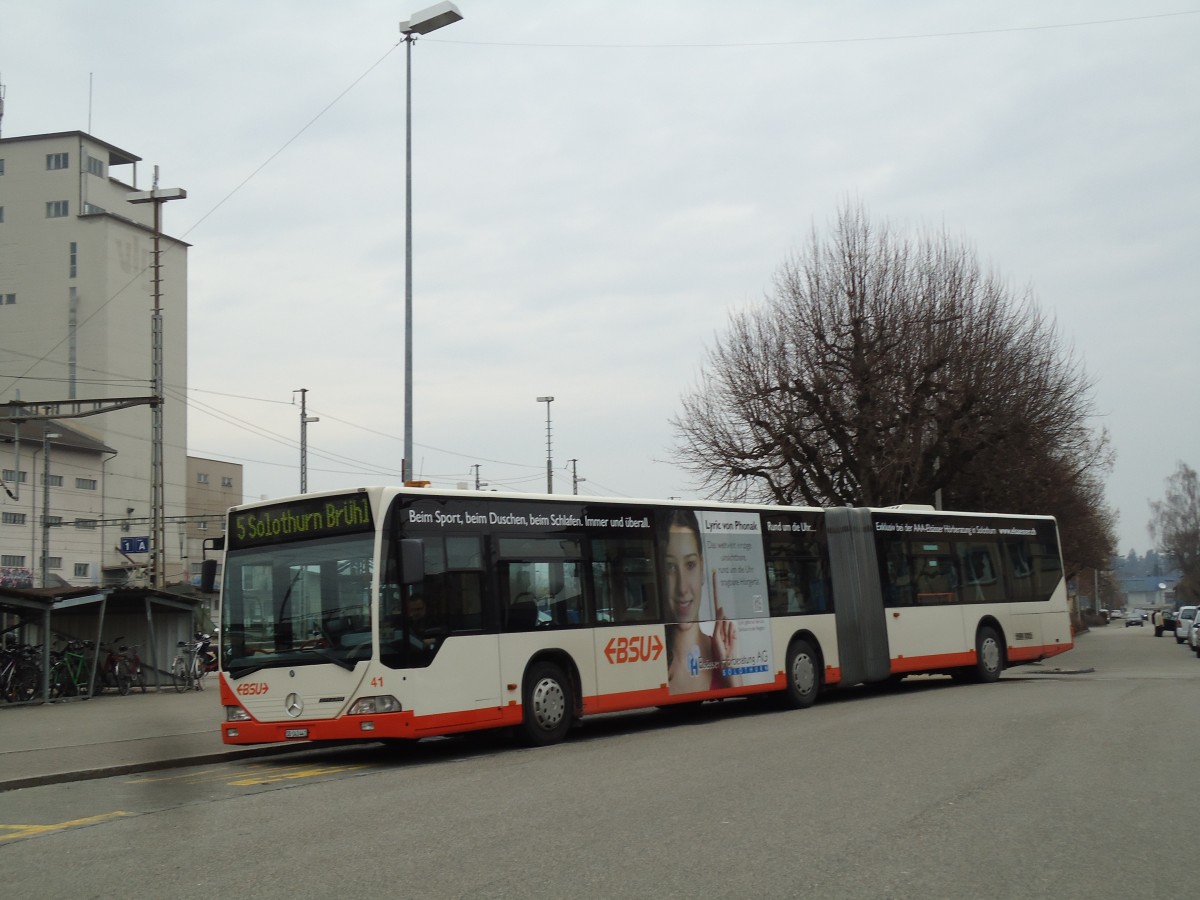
[401, 613]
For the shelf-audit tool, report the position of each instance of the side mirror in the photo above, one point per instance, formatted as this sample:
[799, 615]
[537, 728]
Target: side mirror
[208, 576]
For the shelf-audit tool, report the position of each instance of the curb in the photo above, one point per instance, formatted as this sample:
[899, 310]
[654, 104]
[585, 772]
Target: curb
[150, 766]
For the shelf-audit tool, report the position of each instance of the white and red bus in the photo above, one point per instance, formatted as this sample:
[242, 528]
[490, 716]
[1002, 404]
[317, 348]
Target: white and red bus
[392, 613]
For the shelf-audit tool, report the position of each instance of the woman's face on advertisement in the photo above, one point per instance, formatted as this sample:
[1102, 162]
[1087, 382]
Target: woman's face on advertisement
[685, 574]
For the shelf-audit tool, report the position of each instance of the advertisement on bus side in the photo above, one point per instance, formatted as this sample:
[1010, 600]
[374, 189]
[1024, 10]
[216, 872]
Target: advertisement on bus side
[715, 588]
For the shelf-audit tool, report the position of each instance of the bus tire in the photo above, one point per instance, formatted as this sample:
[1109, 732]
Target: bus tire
[548, 705]
[989, 655]
[803, 675]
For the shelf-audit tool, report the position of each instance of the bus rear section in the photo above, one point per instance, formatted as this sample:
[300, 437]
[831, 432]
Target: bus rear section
[922, 591]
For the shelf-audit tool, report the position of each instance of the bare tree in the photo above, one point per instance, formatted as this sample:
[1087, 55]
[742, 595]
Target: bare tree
[1175, 527]
[885, 369]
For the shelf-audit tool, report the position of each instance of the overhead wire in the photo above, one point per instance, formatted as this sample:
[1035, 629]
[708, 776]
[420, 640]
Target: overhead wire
[801, 42]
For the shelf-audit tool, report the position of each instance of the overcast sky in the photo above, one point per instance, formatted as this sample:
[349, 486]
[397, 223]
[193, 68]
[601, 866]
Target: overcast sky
[597, 185]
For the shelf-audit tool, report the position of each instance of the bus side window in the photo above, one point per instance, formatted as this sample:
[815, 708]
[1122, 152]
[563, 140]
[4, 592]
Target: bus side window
[624, 580]
[981, 582]
[519, 611]
[898, 579]
[797, 564]
[937, 580]
[1047, 570]
[1019, 570]
[542, 573]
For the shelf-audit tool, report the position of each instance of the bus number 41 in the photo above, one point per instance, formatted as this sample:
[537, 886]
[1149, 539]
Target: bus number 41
[639, 648]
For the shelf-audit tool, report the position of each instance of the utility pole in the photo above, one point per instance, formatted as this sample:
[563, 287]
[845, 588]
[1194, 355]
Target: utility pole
[575, 479]
[304, 420]
[479, 485]
[158, 549]
[549, 464]
[46, 436]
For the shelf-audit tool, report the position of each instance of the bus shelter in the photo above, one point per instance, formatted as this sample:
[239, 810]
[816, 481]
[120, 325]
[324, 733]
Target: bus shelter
[152, 621]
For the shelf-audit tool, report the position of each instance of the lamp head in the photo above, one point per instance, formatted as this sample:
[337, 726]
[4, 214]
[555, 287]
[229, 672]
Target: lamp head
[437, 16]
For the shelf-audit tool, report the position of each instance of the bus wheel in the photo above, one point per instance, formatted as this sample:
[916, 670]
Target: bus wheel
[803, 679]
[548, 705]
[989, 655]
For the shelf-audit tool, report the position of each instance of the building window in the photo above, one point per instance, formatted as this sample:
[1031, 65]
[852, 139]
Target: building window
[226, 481]
[203, 526]
[201, 478]
[16, 562]
[10, 518]
[85, 484]
[1, 215]
[58, 160]
[1, 167]
[85, 523]
[52, 480]
[81, 570]
[8, 299]
[74, 255]
[96, 166]
[54, 521]
[13, 475]
[56, 209]
[53, 562]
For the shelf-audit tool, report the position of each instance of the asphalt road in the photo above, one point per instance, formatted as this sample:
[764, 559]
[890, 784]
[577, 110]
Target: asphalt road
[1046, 784]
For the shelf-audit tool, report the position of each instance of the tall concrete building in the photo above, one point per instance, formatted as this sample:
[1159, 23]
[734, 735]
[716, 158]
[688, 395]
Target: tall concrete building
[76, 303]
[214, 485]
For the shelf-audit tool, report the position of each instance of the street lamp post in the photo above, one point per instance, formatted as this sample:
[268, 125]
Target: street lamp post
[437, 16]
[549, 464]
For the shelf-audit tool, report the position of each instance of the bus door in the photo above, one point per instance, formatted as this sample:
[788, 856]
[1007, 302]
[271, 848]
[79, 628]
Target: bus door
[441, 630]
[542, 604]
[922, 581]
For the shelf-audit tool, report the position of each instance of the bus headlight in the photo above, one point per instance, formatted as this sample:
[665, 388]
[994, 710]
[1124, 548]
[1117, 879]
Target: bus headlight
[366, 706]
[236, 714]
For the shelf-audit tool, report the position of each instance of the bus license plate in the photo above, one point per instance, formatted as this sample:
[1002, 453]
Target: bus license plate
[296, 733]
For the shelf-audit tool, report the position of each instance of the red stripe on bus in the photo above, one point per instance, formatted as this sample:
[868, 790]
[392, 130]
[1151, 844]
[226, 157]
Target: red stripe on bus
[407, 725]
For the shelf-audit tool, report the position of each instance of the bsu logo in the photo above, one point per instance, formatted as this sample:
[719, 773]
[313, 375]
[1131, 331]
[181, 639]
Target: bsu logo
[639, 648]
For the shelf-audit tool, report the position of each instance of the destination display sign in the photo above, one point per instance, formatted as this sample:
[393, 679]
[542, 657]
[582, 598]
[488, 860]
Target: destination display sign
[299, 520]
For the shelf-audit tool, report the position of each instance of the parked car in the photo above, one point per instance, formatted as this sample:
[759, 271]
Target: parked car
[1183, 621]
[1135, 619]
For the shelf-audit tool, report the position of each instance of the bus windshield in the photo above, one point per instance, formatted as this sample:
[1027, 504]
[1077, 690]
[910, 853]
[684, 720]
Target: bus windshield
[298, 603]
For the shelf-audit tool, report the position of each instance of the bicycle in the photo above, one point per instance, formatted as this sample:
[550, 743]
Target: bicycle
[115, 671]
[187, 668]
[133, 662]
[20, 675]
[69, 672]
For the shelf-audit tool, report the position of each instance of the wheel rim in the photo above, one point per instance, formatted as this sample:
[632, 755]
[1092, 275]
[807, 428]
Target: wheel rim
[989, 653]
[549, 704]
[804, 675]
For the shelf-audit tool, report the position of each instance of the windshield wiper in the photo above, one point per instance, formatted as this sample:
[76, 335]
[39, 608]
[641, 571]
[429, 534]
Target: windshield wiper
[344, 663]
